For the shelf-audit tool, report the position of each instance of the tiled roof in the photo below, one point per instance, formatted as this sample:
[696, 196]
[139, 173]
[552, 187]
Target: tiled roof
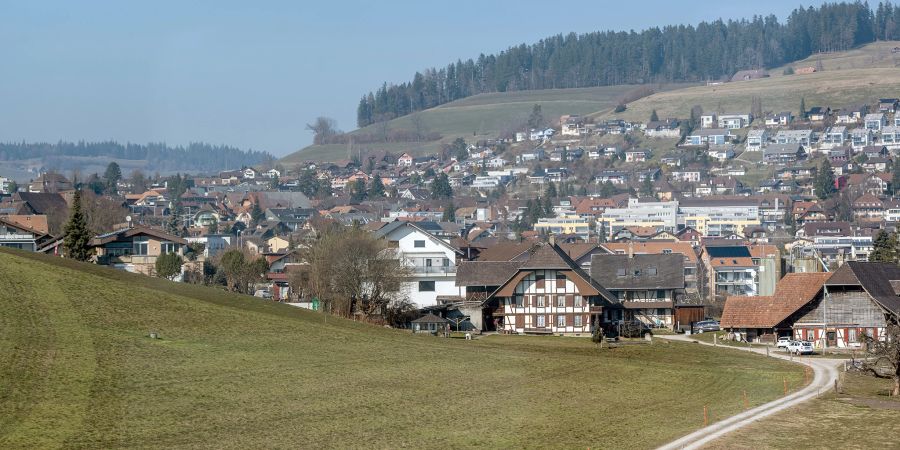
[485, 273]
[640, 248]
[791, 293]
[505, 251]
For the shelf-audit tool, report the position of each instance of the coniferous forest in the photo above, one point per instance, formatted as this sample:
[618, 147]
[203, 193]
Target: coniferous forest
[676, 53]
[199, 157]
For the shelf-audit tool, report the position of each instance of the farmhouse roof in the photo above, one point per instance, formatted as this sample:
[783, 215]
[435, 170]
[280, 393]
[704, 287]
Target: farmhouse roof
[791, 293]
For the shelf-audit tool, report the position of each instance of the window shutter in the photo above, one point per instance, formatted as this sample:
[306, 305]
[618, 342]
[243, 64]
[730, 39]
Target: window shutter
[540, 284]
[570, 320]
[570, 300]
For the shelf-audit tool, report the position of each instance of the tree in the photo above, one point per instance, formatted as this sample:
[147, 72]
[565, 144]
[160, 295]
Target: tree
[459, 149]
[756, 108]
[112, 176]
[78, 235]
[884, 249]
[102, 213]
[608, 190]
[895, 179]
[324, 128]
[12, 187]
[551, 192]
[138, 182]
[824, 183]
[802, 107]
[536, 119]
[257, 215]
[349, 269]
[168, 265]
[440, 187]
[376, 187]
[358, 190]
[788, 71]
[449, 212]
[213, 228]
[653, 116]
[647, 187]
[886, 352]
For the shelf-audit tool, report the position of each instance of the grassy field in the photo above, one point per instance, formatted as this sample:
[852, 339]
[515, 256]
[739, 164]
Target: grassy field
[829, 88]
[875, 55]
[861, 417]
[232, 371]
[481, 117]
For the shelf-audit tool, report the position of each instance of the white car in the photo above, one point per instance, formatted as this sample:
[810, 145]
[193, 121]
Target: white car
[783, 342]
[800, 347]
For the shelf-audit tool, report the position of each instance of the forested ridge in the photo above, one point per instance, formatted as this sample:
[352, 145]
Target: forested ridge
[676, 53]
[193, 157]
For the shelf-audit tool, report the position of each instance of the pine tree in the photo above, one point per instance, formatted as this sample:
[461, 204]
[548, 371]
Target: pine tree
[550, 192]
[449, 212]
[376, 187]
[884, 248]
[654, 117]
[440, 187]
[257, 215]
[824, 183]
[802, 107]
[647, 186]
[113, 175]
[78, 235]
[895, 179]
[358, 190]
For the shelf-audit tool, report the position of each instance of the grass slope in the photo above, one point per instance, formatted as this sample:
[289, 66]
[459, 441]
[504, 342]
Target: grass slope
[829, 88]
[480, 117]
[875, 55]
[235, 372]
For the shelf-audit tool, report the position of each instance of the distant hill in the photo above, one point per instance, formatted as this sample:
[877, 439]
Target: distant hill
[482, 116]
[89, 157]
[672, 53]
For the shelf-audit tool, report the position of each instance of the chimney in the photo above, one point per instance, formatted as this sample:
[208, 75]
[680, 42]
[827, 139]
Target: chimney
[630, 249]
[552, 240]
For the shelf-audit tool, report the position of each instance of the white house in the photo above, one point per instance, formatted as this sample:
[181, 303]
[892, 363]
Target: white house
[432, 262]
[875, 122]
[249, 173]
[757, 139]
[734, 121]
[405, 160]
[834, 136]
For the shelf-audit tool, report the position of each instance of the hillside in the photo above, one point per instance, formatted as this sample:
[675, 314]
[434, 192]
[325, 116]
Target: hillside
[480, 117]
[834, 88]
[232, 371]
[871, 56]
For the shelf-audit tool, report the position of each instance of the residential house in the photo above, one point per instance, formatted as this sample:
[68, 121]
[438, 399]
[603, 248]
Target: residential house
[802, 137]
[730, 270]
[50, 182]
[637, 155]
[616, 177]
[808, 212]
[783, 153]
[708, 136]
[646, 287]
[781, 119]
[868, 207]
[890, 136]
[851, 114]
[669, 128]
[834, 136]
[565, 225]
[431, 260]
[687, 175]
[874, 122]
[860, 137]
[757, 139]
[24, 232]
[818, 113]
[692, 278]
[573, 126]
[888, 105]
[135, 249]
[708, 120]
[548, 294]
[734, 121]
[405, 160]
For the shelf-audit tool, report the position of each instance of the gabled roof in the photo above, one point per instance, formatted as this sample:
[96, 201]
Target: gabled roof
[485, 273]
[397, 224]
[505, 251]
[546, 256]
[126, 233]
[791, 293]
[876, 278]
[638, 271]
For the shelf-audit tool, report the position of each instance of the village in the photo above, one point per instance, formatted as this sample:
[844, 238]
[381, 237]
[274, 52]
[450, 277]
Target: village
[538, 233]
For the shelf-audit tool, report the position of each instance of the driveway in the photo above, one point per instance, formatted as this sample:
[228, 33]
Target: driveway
[825, 371]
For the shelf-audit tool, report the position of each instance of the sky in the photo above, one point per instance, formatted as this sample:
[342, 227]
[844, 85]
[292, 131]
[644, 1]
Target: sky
[252, 74]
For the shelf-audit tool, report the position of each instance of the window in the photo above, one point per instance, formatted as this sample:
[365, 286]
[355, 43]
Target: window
[660, 294]
[578, 301]
[560, 301]
[651, 271]
[852, 335]
[518, 301]
[140, 245]
[637, 272]
[561, 321]
[666, 251]
[541, 321]
[578, 322]
[168, 247]
[419, 244]
[540, 301]
[620, 273]
[539, 276]
[661, 311]
[560, 281]
[426, 286]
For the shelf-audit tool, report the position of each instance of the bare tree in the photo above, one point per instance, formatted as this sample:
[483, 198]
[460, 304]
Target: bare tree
[324, 128]
[103, 213]
[887, 354]
[419, 126]
[352, 270]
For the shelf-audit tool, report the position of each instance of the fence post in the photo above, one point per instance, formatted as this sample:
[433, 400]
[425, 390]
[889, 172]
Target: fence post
[784, 379]
[746, 402]
[705, 416]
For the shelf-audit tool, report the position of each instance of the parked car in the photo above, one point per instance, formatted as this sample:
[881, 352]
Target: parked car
[706, 325]
[262, 293]
[800, 347]
[783, 342]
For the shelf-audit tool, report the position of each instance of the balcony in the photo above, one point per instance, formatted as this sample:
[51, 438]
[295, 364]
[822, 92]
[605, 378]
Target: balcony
[435, 270]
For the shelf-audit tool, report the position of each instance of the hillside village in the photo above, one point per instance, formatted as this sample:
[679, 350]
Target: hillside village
[547, 231]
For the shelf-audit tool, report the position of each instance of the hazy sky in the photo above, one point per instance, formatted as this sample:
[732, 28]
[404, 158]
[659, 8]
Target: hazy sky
[251, 74]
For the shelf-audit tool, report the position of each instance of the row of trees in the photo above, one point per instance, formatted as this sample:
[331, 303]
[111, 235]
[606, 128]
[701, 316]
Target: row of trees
[195, 156]
[710, 50]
